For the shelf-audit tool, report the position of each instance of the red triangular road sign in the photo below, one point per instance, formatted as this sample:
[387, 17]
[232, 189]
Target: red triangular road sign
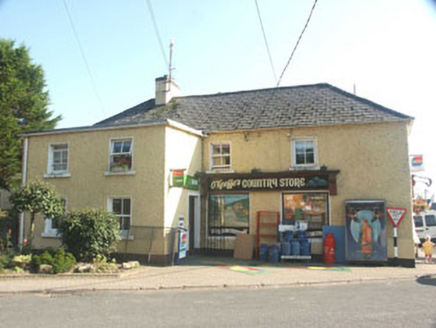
[396, 214]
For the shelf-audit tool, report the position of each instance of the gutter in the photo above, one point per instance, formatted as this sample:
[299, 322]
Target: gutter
[23, 182]
[165, 122]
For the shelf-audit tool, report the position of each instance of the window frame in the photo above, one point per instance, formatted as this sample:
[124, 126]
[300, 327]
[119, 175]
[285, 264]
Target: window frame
[111, 144]
[294, 152]
[50, 171]
[212, 156]
[124, 234]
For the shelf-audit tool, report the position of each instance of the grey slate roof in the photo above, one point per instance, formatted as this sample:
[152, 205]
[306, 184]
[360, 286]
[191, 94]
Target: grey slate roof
[307, 105]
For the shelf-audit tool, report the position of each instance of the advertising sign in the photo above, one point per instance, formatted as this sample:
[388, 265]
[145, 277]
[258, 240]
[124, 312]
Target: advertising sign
[183, 244]
[191, 183]
[365, 230]
[177, 178]
[417, 163]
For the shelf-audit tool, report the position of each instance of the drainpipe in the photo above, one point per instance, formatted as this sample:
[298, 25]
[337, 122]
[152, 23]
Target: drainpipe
[23, 182]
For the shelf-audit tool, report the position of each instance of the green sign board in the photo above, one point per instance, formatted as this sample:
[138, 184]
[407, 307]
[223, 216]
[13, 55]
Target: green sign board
[191, 183]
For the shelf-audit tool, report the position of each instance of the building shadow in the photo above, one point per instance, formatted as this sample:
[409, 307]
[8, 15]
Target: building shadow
[429, 280]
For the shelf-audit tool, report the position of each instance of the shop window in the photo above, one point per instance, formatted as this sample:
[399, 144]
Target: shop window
[228, 214]
[221, 157]
[121, 207]
[310, 209]
[303, 152]
[51, 225]
[58, 159]
[121, 155]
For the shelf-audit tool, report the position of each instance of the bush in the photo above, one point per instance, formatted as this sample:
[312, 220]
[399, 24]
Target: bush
[63, 262]
[88, 233]
[60, 261]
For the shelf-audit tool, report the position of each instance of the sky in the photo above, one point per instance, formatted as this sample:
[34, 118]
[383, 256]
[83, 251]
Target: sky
[384, 50]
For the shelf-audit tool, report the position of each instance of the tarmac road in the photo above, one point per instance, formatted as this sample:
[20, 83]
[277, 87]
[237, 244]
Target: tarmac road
[399, 303]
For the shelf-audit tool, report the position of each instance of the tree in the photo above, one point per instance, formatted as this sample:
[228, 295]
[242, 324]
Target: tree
[23, 106]
[37, 198]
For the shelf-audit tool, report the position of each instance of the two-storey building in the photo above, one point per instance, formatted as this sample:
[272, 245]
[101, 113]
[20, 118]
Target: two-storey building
[302, 152]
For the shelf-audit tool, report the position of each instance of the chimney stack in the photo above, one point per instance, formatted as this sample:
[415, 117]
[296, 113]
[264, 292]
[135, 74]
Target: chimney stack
[166, 89]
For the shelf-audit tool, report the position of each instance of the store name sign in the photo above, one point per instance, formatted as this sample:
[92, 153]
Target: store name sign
[258, 183]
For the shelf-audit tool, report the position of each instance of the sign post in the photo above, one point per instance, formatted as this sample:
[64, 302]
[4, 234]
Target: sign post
[396, 214]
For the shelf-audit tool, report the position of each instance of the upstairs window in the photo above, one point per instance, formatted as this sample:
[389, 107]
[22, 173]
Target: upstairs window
[220, 158]
[303, 152]
[121, 155]
[58, 159]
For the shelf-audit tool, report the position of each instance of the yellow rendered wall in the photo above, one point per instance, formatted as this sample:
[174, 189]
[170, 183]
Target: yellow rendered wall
[372, 159]
[89, 187]
[182, 151]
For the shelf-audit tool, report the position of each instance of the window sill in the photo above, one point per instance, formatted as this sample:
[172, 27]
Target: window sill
[57, 175]
[50, 235]
[109, 173]
[300, 168]
[220, 171]
[124, 236]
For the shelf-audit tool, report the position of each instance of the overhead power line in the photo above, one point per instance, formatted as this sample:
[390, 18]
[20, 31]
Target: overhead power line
[91, 77]
[156, 30]
[263, 108]
[298, 42]
[266, 42]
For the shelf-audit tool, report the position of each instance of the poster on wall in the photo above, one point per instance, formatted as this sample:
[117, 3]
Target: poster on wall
[365, 230]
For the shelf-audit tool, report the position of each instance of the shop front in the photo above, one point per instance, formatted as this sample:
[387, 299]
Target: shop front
[265, 205]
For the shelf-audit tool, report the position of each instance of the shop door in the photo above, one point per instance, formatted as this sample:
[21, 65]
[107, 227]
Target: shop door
[194, 221]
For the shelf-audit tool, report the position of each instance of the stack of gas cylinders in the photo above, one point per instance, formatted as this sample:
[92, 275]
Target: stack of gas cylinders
[295, 245]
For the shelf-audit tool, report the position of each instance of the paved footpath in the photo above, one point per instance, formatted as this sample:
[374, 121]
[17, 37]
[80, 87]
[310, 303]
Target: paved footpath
[203, 272]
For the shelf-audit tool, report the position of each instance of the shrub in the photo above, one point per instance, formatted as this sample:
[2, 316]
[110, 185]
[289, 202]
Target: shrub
[63, 262]
[88, 233]
[35, 262]
[59, 260]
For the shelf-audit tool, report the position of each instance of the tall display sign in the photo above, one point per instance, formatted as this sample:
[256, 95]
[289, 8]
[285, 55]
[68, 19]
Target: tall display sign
[365, 230]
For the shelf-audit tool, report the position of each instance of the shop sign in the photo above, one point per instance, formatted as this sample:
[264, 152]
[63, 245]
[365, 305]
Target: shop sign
[191, 183]
[417, 163]
[268, 183]
[396, 215]
[177, 178]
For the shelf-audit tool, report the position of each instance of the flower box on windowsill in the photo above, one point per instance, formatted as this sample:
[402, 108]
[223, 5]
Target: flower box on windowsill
[108, 173]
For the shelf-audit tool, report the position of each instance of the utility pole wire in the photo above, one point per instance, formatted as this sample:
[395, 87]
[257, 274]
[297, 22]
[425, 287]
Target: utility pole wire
[296, 45]
[266, 42]
[156, 30]
[76, 36]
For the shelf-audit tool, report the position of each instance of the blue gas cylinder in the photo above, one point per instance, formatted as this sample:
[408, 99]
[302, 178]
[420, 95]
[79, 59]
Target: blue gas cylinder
[263, 252]
[285, 248]
[288, 236]
[301, 235]
[295, 247]
[273, 253]
[305, 247]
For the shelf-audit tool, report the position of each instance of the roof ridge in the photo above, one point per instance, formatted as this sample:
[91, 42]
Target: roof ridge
[323, 84]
